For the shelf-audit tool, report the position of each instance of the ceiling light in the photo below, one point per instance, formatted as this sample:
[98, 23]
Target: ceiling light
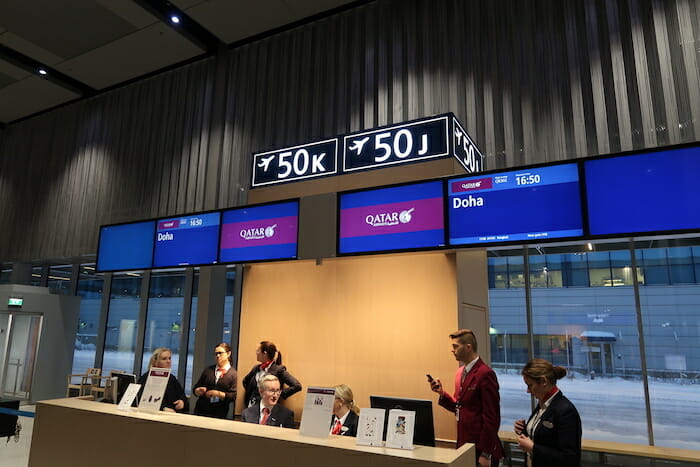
[42, 71]
[175, 19]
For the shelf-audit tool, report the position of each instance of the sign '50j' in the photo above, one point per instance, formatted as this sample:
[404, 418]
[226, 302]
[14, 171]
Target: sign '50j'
[415, 141]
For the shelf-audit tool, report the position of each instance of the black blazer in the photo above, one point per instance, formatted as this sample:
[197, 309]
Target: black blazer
[350, 425]
[557, 436]
[173, 393]
[250, 383]
[226, 384]
[279, 416]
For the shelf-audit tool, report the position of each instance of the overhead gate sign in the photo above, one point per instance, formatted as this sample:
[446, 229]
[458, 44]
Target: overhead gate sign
[410, 142]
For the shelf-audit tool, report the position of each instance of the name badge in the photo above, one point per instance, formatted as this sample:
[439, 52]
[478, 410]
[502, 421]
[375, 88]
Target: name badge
[548, 424]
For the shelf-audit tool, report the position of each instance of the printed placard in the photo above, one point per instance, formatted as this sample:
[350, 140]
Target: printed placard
[370, 428]
[129, 396]
[318, 409]
[154, 390]
[399, 429]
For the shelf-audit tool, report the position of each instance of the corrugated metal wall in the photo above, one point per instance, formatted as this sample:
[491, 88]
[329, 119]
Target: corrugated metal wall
[532, 80]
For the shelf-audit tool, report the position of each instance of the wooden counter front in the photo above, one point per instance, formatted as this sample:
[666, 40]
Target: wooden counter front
[78, 432]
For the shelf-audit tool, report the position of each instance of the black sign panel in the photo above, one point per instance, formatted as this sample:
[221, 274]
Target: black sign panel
[415, 141]
[295, 163]
[465, 150]
[398, 144]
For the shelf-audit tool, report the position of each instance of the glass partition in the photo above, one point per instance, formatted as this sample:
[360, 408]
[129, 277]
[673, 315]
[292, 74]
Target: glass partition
[191, 331]
[509, 337]
[59, 280]
[122, 323]
[164, 317]
[90, 291]
[671, 318]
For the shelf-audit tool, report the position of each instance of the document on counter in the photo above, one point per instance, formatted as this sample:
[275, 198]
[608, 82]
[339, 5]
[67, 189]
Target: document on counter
[129, 396]
[318, 409]
[370, 427]
[399, 429]
[154, 390]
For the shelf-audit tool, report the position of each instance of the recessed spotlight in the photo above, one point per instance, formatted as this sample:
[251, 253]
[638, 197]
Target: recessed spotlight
[175, 19]
[42, 71]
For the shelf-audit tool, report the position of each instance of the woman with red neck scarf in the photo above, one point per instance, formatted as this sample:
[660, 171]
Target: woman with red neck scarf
[216, 387]
[552, 434]
[270, 364]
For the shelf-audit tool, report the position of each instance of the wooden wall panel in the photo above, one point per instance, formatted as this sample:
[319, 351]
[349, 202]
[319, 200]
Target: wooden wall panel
[376, 323]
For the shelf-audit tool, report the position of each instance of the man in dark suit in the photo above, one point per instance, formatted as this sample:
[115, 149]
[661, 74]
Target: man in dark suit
[476, 402]
[267, 412]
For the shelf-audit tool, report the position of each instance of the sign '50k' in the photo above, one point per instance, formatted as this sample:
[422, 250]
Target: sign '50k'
[415, 141]
[295, 163]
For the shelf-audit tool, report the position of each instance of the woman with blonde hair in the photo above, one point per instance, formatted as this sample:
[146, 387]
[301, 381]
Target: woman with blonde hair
[345, 412]
[174, 399]
[552, 434]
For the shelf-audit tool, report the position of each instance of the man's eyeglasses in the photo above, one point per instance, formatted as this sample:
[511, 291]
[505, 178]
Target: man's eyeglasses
[273, 391]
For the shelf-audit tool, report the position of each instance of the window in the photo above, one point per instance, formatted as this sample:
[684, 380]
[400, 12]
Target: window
[164, 317]
[671, 318]
[122, 323]
[592, 330]
[59, 281]
[191, 331]
[5, 273]
[90, 290]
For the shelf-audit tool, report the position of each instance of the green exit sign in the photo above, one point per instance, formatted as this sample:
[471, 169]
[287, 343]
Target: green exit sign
[14, 301]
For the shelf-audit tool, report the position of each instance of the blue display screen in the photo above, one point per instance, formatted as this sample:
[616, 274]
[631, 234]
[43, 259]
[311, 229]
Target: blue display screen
[393, 218]
[126, 246]
[181, 241]
[644, 192]
[521, 205]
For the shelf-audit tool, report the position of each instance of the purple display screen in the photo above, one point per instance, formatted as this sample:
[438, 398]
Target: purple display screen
[259, 233]
[395, 218]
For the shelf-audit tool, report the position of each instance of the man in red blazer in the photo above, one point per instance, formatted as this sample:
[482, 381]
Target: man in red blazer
[475, 401]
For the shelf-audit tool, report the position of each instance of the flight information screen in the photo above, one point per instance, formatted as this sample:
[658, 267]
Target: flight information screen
[647, 192]
[259, 233]
[125, 247]
[187, 240]
[393, 218]
[521, 205]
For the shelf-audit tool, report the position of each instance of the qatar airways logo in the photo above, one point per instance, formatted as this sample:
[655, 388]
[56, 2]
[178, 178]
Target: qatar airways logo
[387, 219]
[258, 233]
[471, 185]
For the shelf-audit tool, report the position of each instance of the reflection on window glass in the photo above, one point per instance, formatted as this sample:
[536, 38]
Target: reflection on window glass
[90, 292]
[5, 273]
[193, 326]
[509, 341]
[228, 303]
[164, 316]
[671, 318]
[36, 276]
[59, 281]
[122, 323]
[593, 333]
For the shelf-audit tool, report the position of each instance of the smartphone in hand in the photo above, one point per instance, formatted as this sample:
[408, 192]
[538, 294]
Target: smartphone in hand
[430, 378]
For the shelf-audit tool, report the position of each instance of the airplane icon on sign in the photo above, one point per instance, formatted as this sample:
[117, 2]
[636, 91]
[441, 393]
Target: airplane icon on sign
[358, 144]
[265, 162]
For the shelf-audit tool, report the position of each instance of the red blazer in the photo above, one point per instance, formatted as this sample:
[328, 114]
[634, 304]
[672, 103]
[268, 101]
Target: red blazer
[479, 409]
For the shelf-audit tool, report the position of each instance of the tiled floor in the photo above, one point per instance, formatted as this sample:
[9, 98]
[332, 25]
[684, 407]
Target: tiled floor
[16, 454]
